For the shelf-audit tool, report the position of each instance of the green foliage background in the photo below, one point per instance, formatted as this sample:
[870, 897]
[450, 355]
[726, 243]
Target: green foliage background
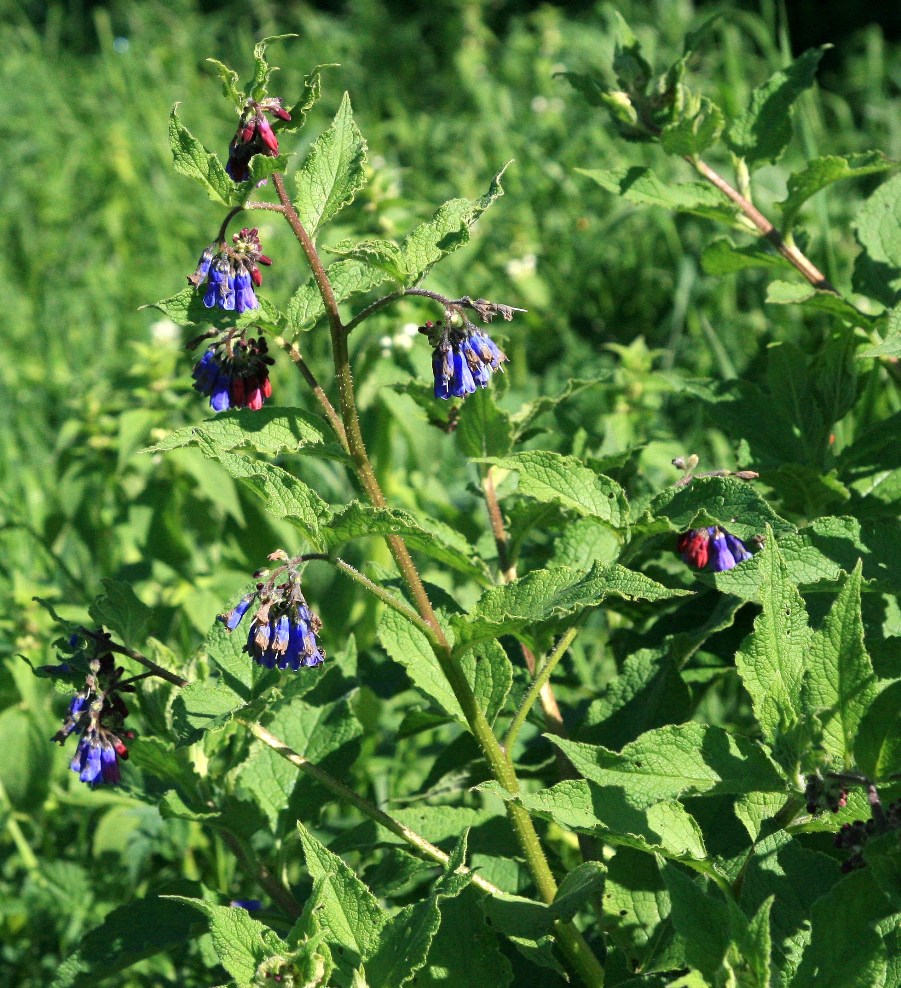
[95, 223]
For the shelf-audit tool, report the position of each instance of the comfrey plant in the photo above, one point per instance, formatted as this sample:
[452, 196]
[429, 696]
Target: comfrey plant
[578, 814]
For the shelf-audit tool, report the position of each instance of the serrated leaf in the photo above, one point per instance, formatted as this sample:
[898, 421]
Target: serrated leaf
[723, 257]
[795, 293]
[270, 430]
[483, 429]
[840, 684]
[348, 279]
[552, 593]
[229, 83]
[877, 748]
[332, 173]
[890, 345]
[556, 479]
[384, 254]
[701, 919]
[439, 541]
[349, 914]
[186, 308]
[192, 160]
[878, 229]
[677, 760]
[448, 230]
[772, 658]
[643, 188]
[821, 172]
[202, 707]
[119, 609]
[762, 132]
[312, 90]
[257, 88]
[695, 130]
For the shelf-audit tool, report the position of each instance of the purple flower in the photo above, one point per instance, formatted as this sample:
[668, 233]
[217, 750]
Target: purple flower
[462, 359]
[244, 296]
[235, 374]
[726, 551]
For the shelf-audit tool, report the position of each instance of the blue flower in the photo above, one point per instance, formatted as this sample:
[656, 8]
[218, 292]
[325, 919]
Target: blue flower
[244, 296]
[463, 358]
[235, 374]
[221, 286]
[443, 370]
[726, 551]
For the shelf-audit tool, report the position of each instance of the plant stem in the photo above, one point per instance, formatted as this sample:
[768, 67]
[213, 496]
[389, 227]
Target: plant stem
[327, 407]
[789, 251]
[277, 892]
[170, 677]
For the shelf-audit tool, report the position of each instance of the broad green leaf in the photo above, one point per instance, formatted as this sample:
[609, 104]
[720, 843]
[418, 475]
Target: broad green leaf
[878, 228]
[485, 664]
[642, 187]
[384, 254]
[432, 537]
[773, 657]
[877, 748]
[762, 132]
[793, 395]
[229, 83]
[348, 278]
[701, 918]
[723, 257]
[524, 417]
[312, 90]
[699, 126]
[564, 480]
[187, 309]
[447, 231]
[142, 928]
[332, 173]
[283, 494]
[350, 916]
[193, 160]
[749, 952]
[119, 609]
[796, 293]
[241, 943]
[483, 429]
[845, 949]
[25, 778]
[840, 684]
[890, 345]
[676, 761]
[822, 172]
[552, 593]
[202, 707]
[270, 430]
[258, 87]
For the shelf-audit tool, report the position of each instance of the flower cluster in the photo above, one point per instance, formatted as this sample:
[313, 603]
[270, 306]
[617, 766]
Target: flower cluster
[853, 837]
[712, 547]
[254, 136]
[824, 793]
[235, 373]
[230, 273]
[283, 630]
[97, 713]
[463, 358]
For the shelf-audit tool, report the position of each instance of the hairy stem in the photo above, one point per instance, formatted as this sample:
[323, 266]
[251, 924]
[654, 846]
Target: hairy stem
[327, 407]
[156, 670]
[789, 251]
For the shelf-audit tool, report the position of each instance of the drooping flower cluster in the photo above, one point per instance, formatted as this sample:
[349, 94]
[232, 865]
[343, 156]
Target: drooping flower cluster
[463, 358]
[712, 547]
[254, 136]
[97, 712]
[283, 630]
[853, 837]
[230, 273]
[235, 373]
[824, 793]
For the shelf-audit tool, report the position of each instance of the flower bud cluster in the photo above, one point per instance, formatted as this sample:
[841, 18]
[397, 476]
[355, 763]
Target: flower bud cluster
[283, 629]
[230, 273]
[463, 357]
[97, 713]
[712, 547]
[853, 837]
[824, 793]
[254, 136]
[235, 373]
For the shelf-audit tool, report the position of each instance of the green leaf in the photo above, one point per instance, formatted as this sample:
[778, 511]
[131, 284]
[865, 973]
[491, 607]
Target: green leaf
[332, 173]
[270, 430]
[773, 657]
[258, 88]
[119, 610]
[552, 593]
[840, 684]
[26, 777]
[241, 943]
[187, 309]
[762, 132]
[845, 949]
[142, 928]
[193, 160]
[432, 537]
[483, 429]
[383, 254]
[701, 919]
[723, 257]
[350, 916]
[485, 665]
[878, 228]
[877, 748]
[643, 188]
[448, 230]
[524, 417]
[312, 90]
[229, 83]
[822, 172]
[202, 707]
[796, 293]
[890, 345]
[348, 278]
[677, 760]
[552, 478]
[699, 126]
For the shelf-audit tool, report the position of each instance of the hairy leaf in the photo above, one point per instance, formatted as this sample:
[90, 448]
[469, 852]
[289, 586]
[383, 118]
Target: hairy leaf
[193, 160]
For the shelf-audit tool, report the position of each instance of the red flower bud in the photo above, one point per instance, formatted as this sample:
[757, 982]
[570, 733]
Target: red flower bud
[266, 134]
